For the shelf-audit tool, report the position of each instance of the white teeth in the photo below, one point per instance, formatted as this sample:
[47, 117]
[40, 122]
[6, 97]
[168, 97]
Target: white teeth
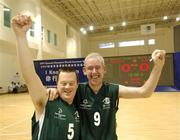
[94, 77]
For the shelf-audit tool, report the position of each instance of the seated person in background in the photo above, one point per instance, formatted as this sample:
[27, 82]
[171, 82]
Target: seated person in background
[11, 87]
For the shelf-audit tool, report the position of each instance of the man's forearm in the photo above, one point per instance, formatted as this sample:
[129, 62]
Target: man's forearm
[151, 83]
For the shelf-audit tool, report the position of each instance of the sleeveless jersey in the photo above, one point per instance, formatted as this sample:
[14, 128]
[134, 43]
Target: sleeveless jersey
[61, 122]
[98, 111]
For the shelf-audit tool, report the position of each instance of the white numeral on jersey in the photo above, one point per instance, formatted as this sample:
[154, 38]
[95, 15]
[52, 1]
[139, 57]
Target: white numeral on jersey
[70, 131]
[97, 119]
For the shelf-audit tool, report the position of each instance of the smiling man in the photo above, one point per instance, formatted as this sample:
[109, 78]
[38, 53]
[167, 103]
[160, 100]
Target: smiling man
[97, 101]
[53, 120]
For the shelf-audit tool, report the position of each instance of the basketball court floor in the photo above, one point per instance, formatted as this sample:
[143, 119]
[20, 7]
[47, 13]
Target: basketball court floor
[154, 118]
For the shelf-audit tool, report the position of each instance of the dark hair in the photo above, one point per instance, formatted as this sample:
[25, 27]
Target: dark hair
[68, 69]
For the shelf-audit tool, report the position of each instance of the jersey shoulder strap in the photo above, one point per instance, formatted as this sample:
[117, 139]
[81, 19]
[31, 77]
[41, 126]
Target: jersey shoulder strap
[115, 90]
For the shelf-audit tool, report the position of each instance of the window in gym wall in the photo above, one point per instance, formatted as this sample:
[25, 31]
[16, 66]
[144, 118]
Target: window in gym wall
[55, 39]
[42, 33]
[7, 16]
[107, 45]
[131, 43]
[151, 41]
[49, 35]
[32, 29]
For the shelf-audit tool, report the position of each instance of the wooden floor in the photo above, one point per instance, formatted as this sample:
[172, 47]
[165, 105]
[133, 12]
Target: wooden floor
[155, 118]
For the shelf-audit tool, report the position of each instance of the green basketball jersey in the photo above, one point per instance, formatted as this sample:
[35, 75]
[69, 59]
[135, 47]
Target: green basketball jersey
[61, 122]
[98, 112]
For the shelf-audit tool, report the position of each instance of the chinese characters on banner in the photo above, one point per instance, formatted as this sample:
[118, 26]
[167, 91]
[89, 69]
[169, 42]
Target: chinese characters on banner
[48, 69]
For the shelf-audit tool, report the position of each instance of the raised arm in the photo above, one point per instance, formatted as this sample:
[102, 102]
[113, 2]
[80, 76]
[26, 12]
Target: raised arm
[21, 24]
[158, 57]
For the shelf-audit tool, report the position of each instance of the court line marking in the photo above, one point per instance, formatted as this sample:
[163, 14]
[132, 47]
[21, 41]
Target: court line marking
[16, 105]
[18, 122]
[19, 133]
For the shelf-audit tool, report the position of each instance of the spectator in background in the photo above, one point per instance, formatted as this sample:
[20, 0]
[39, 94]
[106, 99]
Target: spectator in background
[16, 78]
[11, 87]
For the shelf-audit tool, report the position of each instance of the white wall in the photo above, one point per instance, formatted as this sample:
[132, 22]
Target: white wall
[39, 49]
[8, 65]
[56, 25]
[8, 57]
[163, 36]
[68, 38]
[73, 43]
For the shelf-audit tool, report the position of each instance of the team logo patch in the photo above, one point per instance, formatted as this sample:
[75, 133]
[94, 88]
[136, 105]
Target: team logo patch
[85, 105]
[106, 103]
[76, 114]
[85, 101]
[59, 114]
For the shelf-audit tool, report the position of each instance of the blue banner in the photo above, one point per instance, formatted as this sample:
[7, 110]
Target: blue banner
[47, 70]
[177, 70]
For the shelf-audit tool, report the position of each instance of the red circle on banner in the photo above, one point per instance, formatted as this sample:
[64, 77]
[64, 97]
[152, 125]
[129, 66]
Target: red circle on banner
[144, 67]
[125, 68]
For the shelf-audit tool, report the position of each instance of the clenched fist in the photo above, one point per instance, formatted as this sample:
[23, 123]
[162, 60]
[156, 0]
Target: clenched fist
[158, 56]
[21, 24]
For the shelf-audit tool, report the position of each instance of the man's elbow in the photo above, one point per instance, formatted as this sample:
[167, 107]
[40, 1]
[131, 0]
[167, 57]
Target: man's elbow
[147, 94]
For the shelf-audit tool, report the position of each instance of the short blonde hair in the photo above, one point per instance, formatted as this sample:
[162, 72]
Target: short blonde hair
[94, 55]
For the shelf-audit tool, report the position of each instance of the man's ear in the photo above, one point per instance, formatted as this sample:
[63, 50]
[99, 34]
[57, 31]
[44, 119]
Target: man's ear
[84, 71]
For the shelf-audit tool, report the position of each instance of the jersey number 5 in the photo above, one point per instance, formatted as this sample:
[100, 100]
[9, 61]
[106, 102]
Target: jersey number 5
[97, 119]
[70, 131]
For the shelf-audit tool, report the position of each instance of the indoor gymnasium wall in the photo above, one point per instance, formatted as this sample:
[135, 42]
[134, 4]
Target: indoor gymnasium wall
[41, 16]
[176, 38]
[8, 65]
[68, 39]
[164, 40]
[8, 57]
[55, 26]
[177, 56]
[163, 36]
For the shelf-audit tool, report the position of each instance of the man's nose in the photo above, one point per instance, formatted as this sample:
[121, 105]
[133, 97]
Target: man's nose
[94, 70]
[67, 85]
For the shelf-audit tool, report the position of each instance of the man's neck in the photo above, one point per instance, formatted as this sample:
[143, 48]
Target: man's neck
[95, 88]
[69, 102]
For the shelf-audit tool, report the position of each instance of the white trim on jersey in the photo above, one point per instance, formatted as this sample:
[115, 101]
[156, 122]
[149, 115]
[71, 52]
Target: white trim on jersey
[41, 120]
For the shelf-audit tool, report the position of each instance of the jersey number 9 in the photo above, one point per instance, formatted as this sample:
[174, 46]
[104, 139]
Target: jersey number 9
[97, 119]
